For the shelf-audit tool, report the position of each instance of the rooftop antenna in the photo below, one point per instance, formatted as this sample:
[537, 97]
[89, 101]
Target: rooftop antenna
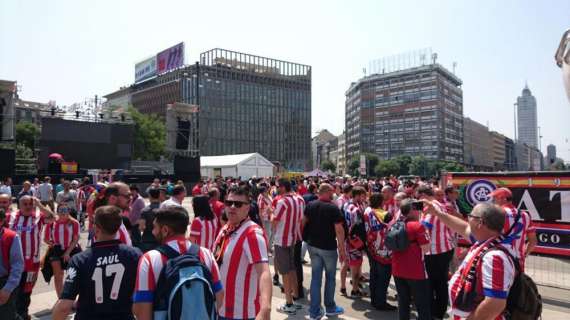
[423, 58]
[454, 66]
[364, 71]
[434, 57]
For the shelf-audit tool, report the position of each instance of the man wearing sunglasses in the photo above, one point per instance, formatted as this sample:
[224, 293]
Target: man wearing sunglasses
[118, 194]
[496, 274]
[241, 253]
[28, 222]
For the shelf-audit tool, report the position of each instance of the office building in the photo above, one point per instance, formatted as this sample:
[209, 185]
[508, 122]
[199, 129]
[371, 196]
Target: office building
[527, 119]
[503, 152]
[415, 110]
[324, 146]
[244, 104]
[477, 146]
[341, 155]
[550, 154]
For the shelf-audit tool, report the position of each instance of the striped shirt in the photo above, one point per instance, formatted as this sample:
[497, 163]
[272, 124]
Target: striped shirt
[288, 214]
[264, 204]
[152, 262]
[495, 275]
[29, 229]
[247, 247]
[390, 206]
[61, 233]
[205, 230]
[442, 238]
[516, 240]
[341, 201]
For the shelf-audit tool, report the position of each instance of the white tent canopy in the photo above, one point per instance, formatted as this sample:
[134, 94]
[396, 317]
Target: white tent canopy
[236, 165]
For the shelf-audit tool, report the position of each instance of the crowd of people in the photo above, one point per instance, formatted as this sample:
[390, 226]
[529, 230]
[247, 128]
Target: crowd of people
[405, 230]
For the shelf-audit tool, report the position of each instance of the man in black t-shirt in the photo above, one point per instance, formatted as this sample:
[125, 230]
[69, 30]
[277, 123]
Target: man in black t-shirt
[324, 233]
[102, 276]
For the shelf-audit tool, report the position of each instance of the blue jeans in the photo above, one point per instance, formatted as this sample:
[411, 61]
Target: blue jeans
[379, 280]
[322, 259]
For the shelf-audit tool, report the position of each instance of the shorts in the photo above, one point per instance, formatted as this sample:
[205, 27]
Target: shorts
[284, 259]
[354, 256]
[55, 253]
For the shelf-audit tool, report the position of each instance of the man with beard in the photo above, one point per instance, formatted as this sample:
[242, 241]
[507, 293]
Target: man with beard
[118, 194]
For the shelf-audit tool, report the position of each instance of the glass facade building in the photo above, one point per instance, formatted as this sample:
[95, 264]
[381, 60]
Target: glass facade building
[246, 104]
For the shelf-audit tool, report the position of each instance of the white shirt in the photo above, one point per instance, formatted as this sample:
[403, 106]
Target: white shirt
[172, 202]
[4, 189]
[44, 192]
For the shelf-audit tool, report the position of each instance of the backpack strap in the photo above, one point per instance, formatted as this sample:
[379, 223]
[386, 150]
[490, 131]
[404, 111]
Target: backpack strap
[194, 250]
[168, 251]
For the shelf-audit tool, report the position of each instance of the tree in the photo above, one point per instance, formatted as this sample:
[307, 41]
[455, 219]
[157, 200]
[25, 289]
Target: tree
[27, 134]
[387, 167]
[419, 166]
[404, 162]
[453, 167]
[328, 166]
[558, 165]
[23, 152]
[371, 163]
[150, 135]
[353, 166]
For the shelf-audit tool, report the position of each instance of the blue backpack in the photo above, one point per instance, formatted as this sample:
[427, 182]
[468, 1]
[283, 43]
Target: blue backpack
[184, 289]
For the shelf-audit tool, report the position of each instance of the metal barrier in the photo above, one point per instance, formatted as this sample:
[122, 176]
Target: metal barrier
[549, 271]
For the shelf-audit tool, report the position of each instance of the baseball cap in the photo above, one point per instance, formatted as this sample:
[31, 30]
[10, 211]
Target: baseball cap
[501, 192]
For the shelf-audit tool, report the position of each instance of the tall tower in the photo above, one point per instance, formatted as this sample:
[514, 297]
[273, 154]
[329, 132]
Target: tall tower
[526, 114]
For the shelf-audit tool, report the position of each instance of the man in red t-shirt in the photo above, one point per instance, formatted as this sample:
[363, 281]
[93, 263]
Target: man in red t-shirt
[197, 190]
[408, 266]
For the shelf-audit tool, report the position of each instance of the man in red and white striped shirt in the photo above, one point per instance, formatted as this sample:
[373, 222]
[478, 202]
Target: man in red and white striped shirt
[286, 227]
[523, 230]
[438, 258]
[495, 272]
[169, 229]
[388, 203]
[241, 253]
[62, 236]
[28, 222]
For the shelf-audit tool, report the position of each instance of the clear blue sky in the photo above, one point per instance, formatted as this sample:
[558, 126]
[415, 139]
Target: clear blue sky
[69, 50]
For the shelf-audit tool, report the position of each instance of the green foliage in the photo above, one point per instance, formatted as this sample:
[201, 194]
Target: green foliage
[150, 135]
[387, 167]
[27, 134]
[328, 166]
[403, 162]
[558, 165]
[23, 152]
[419, 166]
[353, 166]
[372, 161]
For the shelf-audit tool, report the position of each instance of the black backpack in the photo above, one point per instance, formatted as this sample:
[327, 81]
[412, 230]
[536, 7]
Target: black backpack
[523, 301]
[397, 237]
[184, 289]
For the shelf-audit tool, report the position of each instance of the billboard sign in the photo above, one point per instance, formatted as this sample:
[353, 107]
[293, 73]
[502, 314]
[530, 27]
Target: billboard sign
[145, 69]
[170, 58]
[362, 167]
[544, 195]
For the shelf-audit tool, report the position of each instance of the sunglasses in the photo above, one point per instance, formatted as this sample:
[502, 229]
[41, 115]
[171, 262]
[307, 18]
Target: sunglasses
[237, 204]
[126, 195]
[474, 216]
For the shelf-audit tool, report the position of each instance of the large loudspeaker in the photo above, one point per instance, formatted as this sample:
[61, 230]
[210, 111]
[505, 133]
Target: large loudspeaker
[183, 135]
[187, 168]
[8, 162]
